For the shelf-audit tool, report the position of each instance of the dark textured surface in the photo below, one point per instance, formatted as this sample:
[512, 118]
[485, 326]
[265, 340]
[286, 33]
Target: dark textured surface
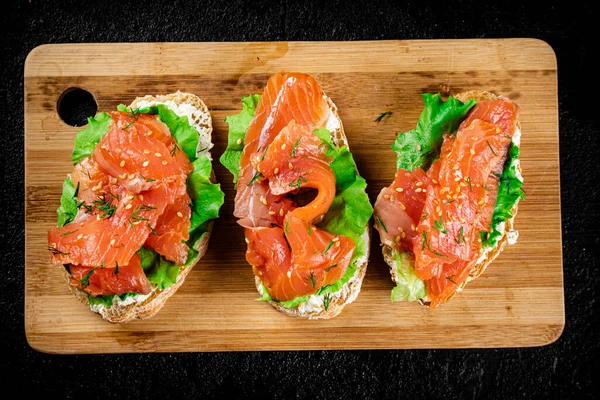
[564, 369]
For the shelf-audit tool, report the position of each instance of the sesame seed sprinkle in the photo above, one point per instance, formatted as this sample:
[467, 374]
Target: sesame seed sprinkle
[399, 190]
[122, 163]
[131, 176]
[239, 141]
[146, 151]
[164, 162]
[387, 196]
[472, 152]
[79, 236]
[128, 206]
[335, 239]
[418, 184]
[123, 176]
[179, 214]
[276, 170]
[247, 241]
[402, 206]
[283, 146]
[281, 212]
[157, 154]
[112, 242]
[271, 212]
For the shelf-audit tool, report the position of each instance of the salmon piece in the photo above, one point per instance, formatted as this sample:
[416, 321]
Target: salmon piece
[110, 234]
[93, 181]
[172, 231]
[138, 157]
[399, 207]
[287, 97]
[299, 258]
[106, 281]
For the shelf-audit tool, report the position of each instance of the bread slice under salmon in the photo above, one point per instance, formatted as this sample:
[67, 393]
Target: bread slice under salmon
[482, 264]
[145, 306]
[314, 307]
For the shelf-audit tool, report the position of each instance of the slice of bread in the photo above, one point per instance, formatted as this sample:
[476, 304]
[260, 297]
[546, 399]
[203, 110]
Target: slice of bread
[145, 306]
[489, 256]
[314, 307]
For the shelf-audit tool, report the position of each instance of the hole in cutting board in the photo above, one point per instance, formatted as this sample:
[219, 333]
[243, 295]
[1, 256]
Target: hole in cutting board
[75, 105]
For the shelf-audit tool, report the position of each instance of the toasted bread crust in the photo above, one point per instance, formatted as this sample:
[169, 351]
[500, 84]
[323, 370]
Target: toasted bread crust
[350, 290]
[153, 302]
[480, 267]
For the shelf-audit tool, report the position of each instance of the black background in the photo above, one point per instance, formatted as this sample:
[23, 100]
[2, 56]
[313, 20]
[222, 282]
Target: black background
[564, 369]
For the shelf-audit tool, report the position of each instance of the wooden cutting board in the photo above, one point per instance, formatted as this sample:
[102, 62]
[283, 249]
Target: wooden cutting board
[517, 302]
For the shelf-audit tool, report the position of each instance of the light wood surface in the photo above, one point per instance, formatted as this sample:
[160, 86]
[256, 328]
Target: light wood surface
[517, 302]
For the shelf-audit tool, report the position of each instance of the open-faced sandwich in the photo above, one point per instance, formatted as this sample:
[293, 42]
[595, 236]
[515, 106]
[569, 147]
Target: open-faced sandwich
[299, 198]
[451, 207]
[136, 212]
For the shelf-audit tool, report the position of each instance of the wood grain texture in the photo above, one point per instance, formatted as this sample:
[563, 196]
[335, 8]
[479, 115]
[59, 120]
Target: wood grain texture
[517, 302]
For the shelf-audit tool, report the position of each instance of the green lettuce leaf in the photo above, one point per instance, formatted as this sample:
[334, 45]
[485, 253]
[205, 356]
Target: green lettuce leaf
[68, 203]
[409, 287]
[509, 193]
[86, 139]
[238, 124]
[421, 145]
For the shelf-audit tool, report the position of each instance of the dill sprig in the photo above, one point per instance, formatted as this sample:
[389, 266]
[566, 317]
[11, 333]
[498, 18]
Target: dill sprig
[134, 217]
[461, 235]
[295, 148]
[383, 115]
[491, 148]
[380, 222]
[328, 247]
[312, 279]
[256, 176]
[439, 225]
[301, 179]
[326, 301]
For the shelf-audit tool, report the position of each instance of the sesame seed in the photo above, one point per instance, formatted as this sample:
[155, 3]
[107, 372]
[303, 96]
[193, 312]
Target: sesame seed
[461, 219]
[397, 238]
[122, 163]
[387, 196]
[481, 202]
[141, 197]
[104, 147]
[157, 154]
[290, 166]
[418, 184]
[239, 141]
[400, 229]
[123, 176]
[473, 137]
[335, 239]
[289, 274]
[438, 209]
[81, 224]
[97, 217]
[463, 184]
[131, 176]
[276, 170]
[146, 151]
[271, 212]
[145, 164]
[412, 227]
[446, 189]
[414, 198]
[456, 179]
[434, 181]
[281, 212]
[283, 146]
[403, 235]
[402, 206]
[247, 241]
[53, 244]
[137, 222]
[477, 185]
[150, 133]
[128, 206]
[258, 167]
[112, 242]
[472, 152]
[399, 190]
[392, 198]
[337, 244]
[80, 236]
[497, 129]
[164, 162]
[455, 167]
[130, 197]
[418, 147]
[263, 200]
[418, 190]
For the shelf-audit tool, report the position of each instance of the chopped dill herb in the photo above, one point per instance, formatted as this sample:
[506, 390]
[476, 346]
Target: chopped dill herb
[382, 116]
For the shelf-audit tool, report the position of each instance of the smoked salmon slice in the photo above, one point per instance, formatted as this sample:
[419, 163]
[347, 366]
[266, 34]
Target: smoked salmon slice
[453, 203]
[283, 157]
